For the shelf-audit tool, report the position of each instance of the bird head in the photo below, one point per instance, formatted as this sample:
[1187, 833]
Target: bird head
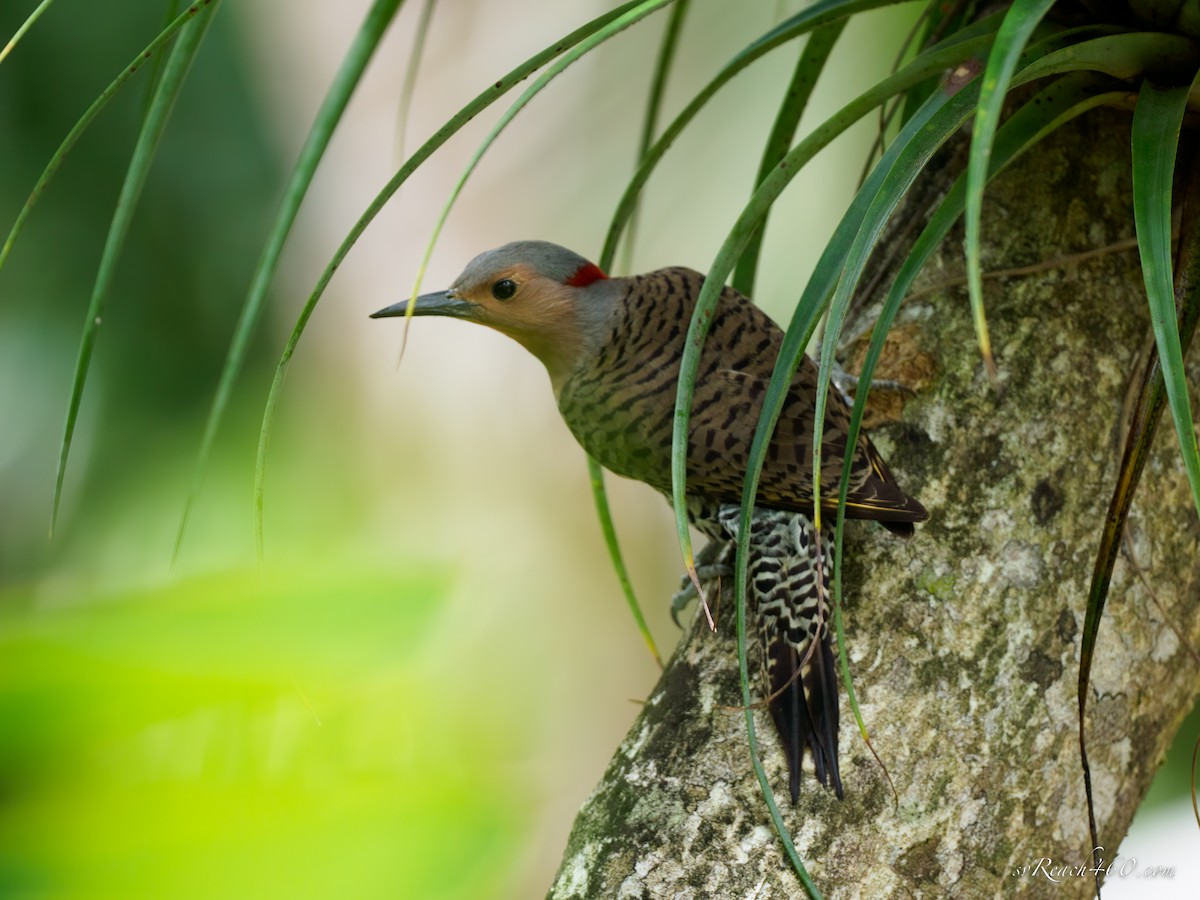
[549, 299]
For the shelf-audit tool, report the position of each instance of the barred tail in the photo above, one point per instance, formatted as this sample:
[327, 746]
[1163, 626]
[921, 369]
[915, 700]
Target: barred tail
[789, 581]
[805, 709]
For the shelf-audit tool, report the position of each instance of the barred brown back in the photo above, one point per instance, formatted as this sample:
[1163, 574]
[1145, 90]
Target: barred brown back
[620, 406]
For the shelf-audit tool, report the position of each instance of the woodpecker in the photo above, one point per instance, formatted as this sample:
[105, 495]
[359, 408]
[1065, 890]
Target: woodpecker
[613, 348]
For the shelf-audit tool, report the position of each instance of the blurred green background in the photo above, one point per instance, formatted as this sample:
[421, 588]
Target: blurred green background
[416, 694]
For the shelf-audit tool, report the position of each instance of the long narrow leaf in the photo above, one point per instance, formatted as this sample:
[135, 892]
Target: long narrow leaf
[798, 333]
[800, 330]
[25, 26]
[1023, 16]
[1126, 56]
[1155, 135]
[1157, 119]
[366, 41]
[658, 87]
[1139, 438]
[157, 66]
[409, 86]
[144, 150]
[596, 473]
[933, 60]
[809, 67]
[1051, 108]
[813, 17]
[488, 96]
[85, 120]
[584, 47]
[902, 163]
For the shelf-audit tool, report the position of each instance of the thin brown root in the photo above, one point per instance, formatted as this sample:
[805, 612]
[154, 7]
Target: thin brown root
[1047, 265]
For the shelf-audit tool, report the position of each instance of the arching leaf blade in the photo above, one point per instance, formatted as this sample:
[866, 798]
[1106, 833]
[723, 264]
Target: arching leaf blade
[1157, 120]
[409, 86]
[658, 84]
[822, 13]
[144, 150]
[658, 87]
[933, 60]
[795, 100]
[77, 130]
[603, 512]
[804, 322]
[24, 27]
[156, 65]
[1018, 25]
[585, 46]
[1126, 55]
[1051, 108]
[366, 41]
[452, 126]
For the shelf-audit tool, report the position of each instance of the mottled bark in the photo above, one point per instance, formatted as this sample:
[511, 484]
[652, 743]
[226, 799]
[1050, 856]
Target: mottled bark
[964, 641]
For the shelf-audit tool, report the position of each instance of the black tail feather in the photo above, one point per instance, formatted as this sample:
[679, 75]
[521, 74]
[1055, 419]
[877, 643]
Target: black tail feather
[805, 710]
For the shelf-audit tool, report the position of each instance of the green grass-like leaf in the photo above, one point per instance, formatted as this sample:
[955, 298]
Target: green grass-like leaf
[1020, 21]
[156, 66]
[933, 60]
[1126, 56]
[151, 132]
[815, 16]
[488, 96]
[409, 86]
[589, 43]
[658, 87]
[808, 69]
[77, 130]
[820, 287]
[1051, 108]
[602, 34]
[804, 321]
[1157, 119]
[366, 41]
[25, 26]
[596, 476]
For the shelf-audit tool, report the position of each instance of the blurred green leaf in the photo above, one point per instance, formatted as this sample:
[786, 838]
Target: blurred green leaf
[217, 737]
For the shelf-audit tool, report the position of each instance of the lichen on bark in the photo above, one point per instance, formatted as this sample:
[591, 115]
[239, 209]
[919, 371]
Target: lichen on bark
[963, 641]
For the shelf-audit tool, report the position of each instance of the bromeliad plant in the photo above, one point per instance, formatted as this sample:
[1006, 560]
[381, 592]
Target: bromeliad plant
[1014, 75]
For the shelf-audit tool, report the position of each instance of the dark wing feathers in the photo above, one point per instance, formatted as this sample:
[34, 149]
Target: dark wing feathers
[786, 481]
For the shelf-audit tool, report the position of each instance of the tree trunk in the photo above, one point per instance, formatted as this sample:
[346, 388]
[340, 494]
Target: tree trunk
[964, 642]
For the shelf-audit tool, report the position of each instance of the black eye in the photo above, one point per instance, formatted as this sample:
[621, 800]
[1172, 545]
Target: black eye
[504, 289]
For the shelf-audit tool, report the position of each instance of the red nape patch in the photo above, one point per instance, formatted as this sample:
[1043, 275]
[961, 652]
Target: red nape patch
[585, 275]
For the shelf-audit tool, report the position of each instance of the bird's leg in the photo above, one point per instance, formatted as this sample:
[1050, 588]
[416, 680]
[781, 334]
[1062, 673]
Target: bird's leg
[711, 562]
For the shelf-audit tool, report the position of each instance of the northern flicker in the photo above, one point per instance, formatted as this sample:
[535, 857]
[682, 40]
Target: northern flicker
[612, 348]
